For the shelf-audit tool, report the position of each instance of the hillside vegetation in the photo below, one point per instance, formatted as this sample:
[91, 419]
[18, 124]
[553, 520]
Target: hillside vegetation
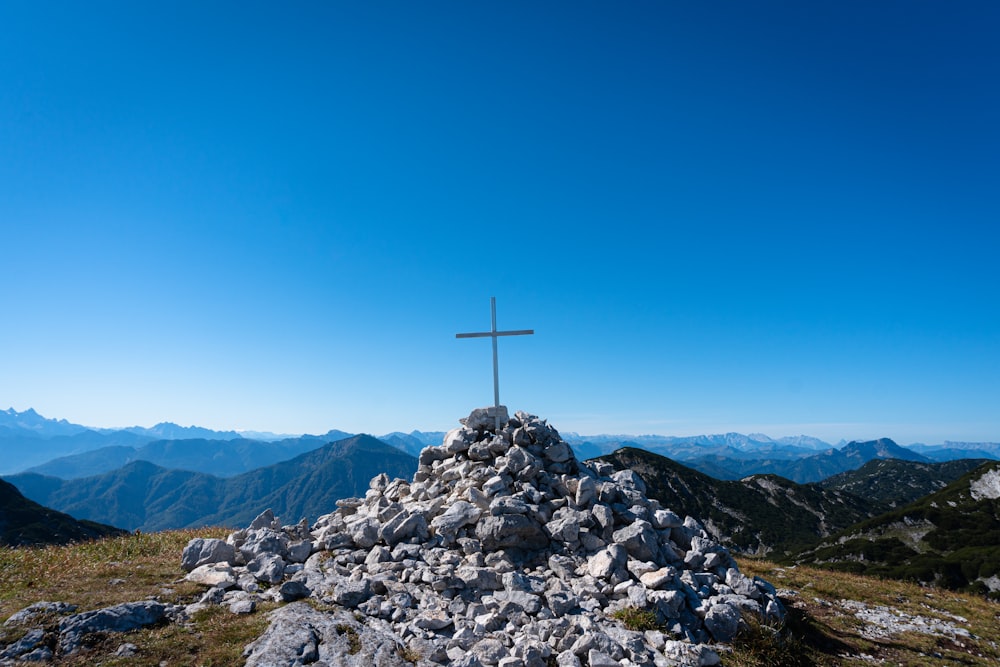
[759, 515]
[891, 483]
[25, 522]
[950, 538]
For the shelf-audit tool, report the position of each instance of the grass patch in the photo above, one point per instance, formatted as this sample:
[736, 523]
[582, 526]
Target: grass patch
[409, 655]
[215, 638]
[353, 640]
[637, 619]
[140, 565]
[143, 565]
[828, 634]
[763, 644]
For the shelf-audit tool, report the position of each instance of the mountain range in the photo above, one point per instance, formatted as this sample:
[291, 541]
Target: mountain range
[811, 468]
[223, 458]
[861, 505]
[142, 495]
[32, 442]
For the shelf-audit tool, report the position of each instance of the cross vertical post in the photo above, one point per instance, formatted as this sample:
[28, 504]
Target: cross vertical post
[494, 334]
[496, 364]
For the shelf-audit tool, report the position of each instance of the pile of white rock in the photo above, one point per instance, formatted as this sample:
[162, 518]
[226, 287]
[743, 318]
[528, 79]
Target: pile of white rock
[503, 550]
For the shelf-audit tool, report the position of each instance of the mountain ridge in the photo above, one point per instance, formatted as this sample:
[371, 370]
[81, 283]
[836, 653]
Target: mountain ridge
[24, 522]
[32, 442]
[142, 495]
[757, 515]
[950, 538]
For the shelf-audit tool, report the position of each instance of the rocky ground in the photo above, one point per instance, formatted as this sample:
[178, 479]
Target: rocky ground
[502, 550]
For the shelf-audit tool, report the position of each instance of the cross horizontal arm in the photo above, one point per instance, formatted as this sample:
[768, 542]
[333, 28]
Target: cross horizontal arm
[490, 334]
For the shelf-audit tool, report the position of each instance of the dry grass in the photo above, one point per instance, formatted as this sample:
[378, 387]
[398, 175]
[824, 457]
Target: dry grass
[97, 574]
[819, 630]
[763, 644]
[829, 634]
[124, 569]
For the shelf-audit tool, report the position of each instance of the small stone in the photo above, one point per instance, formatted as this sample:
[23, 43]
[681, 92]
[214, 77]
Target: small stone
[127, 650]
[722, 621]
[432, 620]
[658, 578]
[485, 419]
[666, 519]
[597, 658]
[293, 590]
[494, 485]
[510, 530]
[352, 593]
[604, 563]
[265, 519]
[558, 452]
[568, 659]
[267, 568]
[264, 541]
[461, 513]
[404, 526]
[639, 539]
[213, 574]
[508, 505]
[242, 607]
[299, 552]
[586, 491]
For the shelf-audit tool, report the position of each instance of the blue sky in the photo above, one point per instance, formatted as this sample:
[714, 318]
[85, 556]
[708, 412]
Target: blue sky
[766, 216]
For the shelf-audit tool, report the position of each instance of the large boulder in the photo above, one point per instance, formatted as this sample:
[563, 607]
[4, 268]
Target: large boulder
[119, 618]
[202, 551]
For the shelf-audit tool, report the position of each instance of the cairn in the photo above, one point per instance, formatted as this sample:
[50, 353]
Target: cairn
[503, 549]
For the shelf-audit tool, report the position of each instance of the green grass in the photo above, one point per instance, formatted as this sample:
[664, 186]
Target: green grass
[637, 619]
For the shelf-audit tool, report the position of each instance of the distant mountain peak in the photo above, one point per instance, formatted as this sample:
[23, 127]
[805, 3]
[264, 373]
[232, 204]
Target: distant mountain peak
[172, 431]
[882, 448]
[29, 421]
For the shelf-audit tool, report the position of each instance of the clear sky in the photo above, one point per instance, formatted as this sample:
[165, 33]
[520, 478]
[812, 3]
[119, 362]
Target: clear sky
[718, 216]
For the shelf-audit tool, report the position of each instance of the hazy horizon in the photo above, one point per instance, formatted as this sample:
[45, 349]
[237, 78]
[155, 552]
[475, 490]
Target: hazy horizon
[834, 441]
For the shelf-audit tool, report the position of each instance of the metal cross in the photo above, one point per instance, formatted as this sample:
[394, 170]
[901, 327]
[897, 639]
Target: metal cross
[494, 334]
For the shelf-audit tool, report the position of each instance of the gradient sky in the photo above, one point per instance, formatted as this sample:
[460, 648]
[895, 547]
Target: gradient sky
[718, 216]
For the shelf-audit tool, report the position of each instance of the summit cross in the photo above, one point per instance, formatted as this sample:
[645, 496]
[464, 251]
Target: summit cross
[494, 334]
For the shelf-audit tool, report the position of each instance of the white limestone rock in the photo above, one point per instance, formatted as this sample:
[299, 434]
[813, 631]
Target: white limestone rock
[219, 575]
[202, 551]
[502, 549]
[119, 618]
